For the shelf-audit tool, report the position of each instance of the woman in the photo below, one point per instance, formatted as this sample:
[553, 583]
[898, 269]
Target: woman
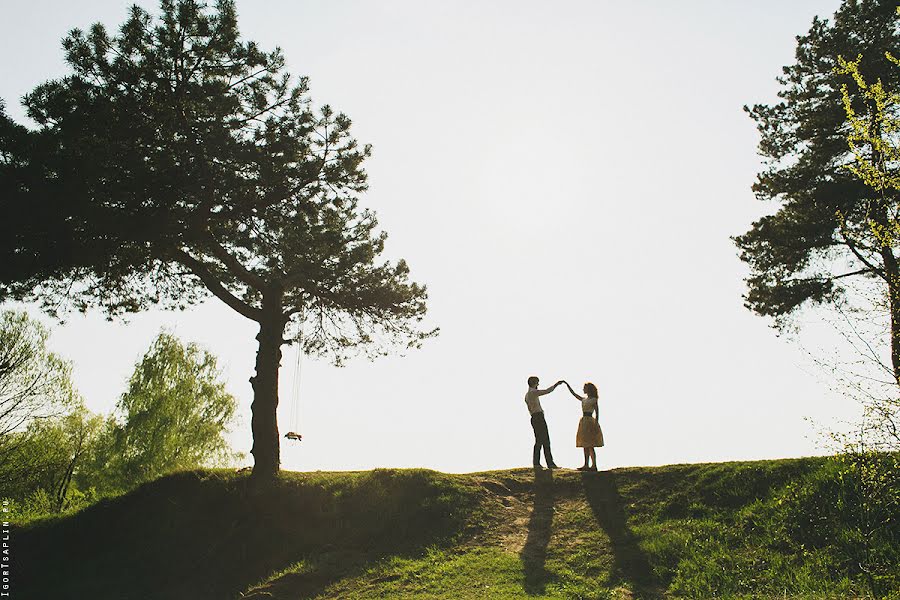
[589, 434]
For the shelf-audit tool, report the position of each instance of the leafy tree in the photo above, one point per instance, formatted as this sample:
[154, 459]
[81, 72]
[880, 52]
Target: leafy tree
[34, 382]
[176, 161]
[823, 233]
[873, 138]
[46, 458]
[81, 433]
[175, 414]
[846, 224]
[45, 431]
[34, 459]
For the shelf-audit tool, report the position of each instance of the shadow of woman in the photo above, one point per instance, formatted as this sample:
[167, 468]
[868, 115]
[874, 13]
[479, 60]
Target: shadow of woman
[540, 527]
[630, 563]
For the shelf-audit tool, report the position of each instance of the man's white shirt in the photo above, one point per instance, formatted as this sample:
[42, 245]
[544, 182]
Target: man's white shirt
[532, 399]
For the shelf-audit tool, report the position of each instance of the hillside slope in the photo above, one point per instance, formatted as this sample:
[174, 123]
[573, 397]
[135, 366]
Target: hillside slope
[676, 531]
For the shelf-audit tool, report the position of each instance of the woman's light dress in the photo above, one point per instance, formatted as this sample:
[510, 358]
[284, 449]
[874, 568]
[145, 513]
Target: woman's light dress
[589, 433]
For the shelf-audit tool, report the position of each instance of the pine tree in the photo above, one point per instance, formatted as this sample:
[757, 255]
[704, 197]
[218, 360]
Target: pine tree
[177, 161]
[820, 236]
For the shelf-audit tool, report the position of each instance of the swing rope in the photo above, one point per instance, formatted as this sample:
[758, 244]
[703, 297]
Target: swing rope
[294, 417]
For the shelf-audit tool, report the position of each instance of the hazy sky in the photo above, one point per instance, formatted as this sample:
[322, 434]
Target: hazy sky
[564, 177]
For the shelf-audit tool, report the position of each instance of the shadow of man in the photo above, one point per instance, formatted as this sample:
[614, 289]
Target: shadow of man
[630, 563]
[540, 528]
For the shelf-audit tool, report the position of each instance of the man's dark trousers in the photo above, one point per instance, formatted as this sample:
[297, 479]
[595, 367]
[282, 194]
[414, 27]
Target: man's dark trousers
[541, 438]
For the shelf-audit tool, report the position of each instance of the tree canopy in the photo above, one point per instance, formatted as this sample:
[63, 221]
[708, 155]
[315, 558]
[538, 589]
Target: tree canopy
[35, 383]
[174, 414]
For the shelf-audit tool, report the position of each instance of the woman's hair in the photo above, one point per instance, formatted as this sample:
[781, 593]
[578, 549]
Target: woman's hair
[591, 390]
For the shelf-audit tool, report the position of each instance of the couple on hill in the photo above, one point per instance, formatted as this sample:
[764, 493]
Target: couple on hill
[589, 434]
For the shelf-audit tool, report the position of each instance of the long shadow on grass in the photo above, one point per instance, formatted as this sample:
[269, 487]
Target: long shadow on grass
[630, 563]
[195, 536]
[540, 527]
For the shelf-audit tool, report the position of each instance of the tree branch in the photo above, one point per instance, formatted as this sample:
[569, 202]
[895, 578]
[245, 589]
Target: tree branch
[234, 265]
[250, 76]
[851, 274]
[269, 108]
[216, 287]
[859, 256]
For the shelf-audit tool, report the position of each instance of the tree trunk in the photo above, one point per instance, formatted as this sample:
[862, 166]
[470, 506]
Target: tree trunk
[892, 271]
[264, 422]
[63, 488]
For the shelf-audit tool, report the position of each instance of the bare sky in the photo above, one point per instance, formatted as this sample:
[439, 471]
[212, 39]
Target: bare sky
[565, 178]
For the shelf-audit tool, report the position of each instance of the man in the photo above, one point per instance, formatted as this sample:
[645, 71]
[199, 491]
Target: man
[538, 423]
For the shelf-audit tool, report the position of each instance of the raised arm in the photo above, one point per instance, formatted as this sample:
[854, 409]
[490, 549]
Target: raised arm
[573, 391]
[549, 389]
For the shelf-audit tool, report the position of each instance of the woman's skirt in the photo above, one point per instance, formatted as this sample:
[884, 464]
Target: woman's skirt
[589, 433]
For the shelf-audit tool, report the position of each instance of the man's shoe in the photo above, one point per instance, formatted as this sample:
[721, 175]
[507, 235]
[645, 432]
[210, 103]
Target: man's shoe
[594, 469]
[584, 468]
[538, 467]
[552, 466]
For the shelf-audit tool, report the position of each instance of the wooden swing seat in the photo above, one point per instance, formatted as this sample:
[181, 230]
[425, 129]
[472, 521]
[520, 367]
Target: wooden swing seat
[293, 436]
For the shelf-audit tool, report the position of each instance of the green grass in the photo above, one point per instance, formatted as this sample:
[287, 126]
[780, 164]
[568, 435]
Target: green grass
[731, 530]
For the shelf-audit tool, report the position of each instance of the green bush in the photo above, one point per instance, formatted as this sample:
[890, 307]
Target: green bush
[849, 510]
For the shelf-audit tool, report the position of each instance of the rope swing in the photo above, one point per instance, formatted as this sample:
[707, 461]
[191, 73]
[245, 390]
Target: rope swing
[294, 416]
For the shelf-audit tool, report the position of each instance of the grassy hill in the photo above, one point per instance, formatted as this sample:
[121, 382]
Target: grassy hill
[693, 531]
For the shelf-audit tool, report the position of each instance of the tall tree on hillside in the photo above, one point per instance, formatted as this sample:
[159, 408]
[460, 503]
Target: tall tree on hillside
[175, 161]
[820, 237]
